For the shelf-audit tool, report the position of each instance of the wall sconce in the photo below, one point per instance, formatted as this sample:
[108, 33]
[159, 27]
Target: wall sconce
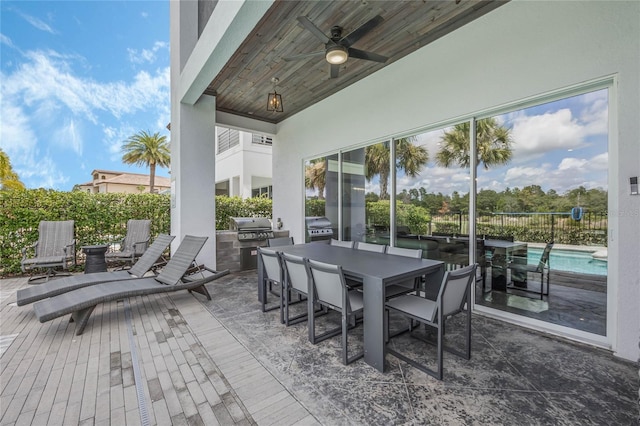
[274, 101]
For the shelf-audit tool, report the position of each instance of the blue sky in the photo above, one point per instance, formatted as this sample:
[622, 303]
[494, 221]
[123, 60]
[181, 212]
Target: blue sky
[77, 79]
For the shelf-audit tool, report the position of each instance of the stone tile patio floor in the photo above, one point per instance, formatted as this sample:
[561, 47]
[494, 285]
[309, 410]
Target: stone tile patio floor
[178, 359]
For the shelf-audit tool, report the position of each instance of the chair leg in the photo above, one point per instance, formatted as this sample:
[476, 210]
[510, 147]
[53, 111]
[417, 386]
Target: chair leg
[201, 290]
[81, 318]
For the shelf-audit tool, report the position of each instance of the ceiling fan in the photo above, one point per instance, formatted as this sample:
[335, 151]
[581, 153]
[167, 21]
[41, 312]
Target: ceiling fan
[338, 48]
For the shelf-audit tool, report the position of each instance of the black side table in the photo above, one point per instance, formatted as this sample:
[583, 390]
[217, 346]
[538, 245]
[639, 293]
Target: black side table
[95, 261]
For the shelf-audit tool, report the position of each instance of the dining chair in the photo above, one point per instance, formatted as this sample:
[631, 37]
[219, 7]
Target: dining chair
[408, 286]
[296, 279]
[280, 241]
[328, 289]
[376, 248]
[453, 297]
[273, 276]
[346, 244]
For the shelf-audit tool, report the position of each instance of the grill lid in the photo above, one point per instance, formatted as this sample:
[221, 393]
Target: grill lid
[317, 222]
[241, 224]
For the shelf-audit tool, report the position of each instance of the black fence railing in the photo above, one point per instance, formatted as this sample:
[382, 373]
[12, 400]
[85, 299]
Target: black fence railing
[591, 229]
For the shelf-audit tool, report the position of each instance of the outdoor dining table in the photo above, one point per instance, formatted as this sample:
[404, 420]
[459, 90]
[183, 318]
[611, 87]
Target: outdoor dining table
[376, 270]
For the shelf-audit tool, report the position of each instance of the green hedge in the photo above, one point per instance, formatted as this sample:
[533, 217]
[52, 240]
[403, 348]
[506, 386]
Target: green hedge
[98, 217]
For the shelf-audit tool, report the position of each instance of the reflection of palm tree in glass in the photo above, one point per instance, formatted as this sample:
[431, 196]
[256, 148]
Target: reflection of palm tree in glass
[410, 158]
[314, 176]
[494, 145]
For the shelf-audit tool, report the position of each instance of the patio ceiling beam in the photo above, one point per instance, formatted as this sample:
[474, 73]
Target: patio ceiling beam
[230, 23]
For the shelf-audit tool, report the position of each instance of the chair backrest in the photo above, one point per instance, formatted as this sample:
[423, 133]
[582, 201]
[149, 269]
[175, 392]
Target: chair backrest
[454, 289]
[377, 248]
[296, 271]
[544, 259]
[271, 263]
[328, 281]
[279, 242]
[148, 259]
[54, 236]
[406, 252]
[181, 260]
[346, 244]
[138, 231]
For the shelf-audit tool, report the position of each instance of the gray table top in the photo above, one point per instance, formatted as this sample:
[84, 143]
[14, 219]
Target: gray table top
[363, 264]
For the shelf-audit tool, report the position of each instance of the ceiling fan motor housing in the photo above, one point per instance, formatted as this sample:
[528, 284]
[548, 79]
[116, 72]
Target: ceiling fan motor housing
[336, 33]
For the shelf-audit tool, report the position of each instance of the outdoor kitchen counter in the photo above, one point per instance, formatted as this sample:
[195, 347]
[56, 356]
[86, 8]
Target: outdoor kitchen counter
[228, 248]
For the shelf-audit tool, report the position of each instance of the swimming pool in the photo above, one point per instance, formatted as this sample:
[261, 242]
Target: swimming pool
[570, 260]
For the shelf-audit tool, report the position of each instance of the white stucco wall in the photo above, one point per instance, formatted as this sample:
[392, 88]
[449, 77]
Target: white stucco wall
[250, 162]
[521, 50]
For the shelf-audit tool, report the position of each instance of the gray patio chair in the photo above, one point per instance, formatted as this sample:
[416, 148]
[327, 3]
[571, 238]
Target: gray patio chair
[133, 245]
[80, 303]
[454, 294]
[56, 247]
[279, 242]
[273, 276]
[376, 248]
[542, 267]
[338, 243]
[403, 287]
[145, 264]
[329, 289]
[296, 280]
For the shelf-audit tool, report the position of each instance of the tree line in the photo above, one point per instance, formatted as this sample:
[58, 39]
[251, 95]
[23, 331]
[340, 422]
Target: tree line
[530, 199]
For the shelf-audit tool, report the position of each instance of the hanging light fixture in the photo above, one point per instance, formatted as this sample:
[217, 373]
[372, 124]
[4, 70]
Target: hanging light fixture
[274, 101]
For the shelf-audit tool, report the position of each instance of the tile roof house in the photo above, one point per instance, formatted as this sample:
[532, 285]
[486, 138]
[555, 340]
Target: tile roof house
[106, 181]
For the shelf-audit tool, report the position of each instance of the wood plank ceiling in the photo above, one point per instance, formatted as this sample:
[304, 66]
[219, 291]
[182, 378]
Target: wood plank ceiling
[243, 84]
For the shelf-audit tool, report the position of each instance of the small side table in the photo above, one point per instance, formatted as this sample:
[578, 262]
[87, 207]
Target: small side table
[95, 261]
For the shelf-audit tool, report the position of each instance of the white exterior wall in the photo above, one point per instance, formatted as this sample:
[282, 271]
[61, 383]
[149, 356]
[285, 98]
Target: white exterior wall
[245, 162]
[192, 144]
[520, 50]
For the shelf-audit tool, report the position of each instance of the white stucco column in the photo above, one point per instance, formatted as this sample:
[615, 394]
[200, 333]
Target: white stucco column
[193, 175]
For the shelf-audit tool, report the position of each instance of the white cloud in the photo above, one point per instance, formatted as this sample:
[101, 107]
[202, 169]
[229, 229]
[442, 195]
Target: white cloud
[114, 138]
[37, 23]
[69, 136]
[44, 93]
[6, 41]
[539, 134]
[147, 55]
[43, 174]
[144, 14]
[570, 173]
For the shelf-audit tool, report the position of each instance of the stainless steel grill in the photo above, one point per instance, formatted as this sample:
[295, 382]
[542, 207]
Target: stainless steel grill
[251, 228]
[318, 228]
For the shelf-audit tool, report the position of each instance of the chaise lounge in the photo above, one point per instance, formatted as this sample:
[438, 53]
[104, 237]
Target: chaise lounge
[80, 303]
[53, 288]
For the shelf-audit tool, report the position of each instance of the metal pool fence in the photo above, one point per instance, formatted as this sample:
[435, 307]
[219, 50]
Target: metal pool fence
[591, 229]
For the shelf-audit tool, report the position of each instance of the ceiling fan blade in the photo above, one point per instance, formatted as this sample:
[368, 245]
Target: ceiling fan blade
[334, 70]
[304, 55]
[313, 29]
[369, 56]
[357, 34]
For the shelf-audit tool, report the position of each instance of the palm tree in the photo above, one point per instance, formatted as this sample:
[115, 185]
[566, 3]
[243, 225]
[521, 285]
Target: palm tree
[494, 145]
[8, 178]
[148, 150]
[410, 158]
[314, 176]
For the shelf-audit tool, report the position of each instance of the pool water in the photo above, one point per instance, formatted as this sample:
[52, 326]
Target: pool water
[570, 260]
